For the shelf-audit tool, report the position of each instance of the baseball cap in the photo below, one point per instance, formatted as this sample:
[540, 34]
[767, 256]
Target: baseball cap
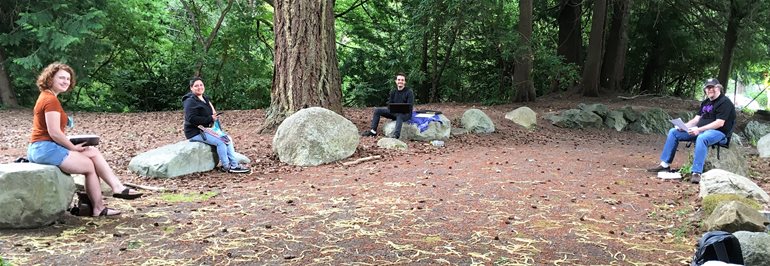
[711, 82]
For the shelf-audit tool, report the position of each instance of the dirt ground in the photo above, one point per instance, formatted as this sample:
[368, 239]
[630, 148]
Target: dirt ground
[550, 196]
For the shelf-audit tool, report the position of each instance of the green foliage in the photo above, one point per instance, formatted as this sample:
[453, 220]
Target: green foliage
[712, 201]
[3, 262]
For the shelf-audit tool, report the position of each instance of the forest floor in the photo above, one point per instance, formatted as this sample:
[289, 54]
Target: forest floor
[550, 196]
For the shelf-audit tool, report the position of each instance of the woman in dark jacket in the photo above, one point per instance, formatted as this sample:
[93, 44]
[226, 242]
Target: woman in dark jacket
[199, 116]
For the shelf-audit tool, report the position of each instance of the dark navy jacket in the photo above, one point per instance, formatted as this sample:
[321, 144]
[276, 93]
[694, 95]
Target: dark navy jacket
[196, 112]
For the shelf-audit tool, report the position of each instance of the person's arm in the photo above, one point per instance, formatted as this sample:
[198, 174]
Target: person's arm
[193, 116]
[410, 98]
[52, 124]
[692, 122]
[391, 96]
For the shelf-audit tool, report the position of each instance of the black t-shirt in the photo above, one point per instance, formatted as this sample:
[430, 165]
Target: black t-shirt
[719, 108]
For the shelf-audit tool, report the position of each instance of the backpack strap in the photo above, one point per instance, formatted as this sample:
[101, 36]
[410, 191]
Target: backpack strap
[719, 248]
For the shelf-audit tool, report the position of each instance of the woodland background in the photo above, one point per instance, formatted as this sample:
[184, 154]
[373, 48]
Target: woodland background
[137, 55]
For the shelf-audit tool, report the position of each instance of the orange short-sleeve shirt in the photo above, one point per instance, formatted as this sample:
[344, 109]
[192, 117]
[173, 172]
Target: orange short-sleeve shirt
[46, 102]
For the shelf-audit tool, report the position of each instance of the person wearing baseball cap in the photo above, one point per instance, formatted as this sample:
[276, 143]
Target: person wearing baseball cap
[712, 125]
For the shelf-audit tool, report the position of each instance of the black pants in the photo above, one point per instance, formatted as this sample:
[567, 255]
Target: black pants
[400, 118]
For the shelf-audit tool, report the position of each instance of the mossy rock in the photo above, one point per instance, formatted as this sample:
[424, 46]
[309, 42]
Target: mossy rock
[711, 202]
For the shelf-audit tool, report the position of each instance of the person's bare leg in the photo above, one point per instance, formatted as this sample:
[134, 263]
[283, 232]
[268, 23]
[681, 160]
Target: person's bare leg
[77, 163]
[103, 169]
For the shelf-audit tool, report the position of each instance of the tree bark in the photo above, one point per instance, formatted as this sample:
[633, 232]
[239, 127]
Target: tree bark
[523, 71]
[731, 40]
[7, 95]
[424, 90]
[570, 31]
[306, 71]
[617, 45]
[438, 71]
[592, 68]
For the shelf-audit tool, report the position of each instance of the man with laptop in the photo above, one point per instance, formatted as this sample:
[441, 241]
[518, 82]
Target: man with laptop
[400, 105]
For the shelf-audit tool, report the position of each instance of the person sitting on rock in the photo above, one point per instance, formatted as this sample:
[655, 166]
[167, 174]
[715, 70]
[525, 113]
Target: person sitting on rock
[401, 94]
[49, 145]
[715, 119]
[199, 117]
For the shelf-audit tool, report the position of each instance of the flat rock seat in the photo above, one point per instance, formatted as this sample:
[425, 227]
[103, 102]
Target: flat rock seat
[33, 195]
[411, 131]
[181, 158]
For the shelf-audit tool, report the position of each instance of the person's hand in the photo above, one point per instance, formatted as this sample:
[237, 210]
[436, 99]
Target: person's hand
[678, 128]
[214, 117]
[694, 131]
[80, 147]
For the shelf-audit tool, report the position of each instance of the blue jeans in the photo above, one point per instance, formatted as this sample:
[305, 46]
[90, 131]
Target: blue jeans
[702, 142]
[225, 151]
[400, 118]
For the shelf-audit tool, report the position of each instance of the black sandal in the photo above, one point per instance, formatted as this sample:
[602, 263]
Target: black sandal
[125, 194]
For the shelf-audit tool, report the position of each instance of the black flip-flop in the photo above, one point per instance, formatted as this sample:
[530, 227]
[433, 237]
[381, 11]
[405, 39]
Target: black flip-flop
[125, 194]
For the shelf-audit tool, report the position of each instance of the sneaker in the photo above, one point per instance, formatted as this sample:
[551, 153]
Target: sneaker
[659, 169]
[695, 178]
[238, 169]
[368, 133]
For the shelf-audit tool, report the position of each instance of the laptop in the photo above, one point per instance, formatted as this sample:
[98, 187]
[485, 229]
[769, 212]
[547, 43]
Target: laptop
[400, 108]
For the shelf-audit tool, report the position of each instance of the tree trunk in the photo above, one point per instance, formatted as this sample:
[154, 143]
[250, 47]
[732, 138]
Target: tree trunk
[437, 72]
[7, 95]
[731, 39]
[570, 31]
[306, 72]
[617, 44]
[592, 68]
[424, 90]
[522, 73]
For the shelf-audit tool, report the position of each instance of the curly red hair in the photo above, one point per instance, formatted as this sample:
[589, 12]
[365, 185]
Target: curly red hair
[45, 79]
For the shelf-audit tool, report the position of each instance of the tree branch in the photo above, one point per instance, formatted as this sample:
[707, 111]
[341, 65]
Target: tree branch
[194, 21]
[353, 6]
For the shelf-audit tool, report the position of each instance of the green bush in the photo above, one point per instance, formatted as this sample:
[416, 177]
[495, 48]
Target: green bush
[710, 202]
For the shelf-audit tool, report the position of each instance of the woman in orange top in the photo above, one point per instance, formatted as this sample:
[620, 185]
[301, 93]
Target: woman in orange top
[49, 145]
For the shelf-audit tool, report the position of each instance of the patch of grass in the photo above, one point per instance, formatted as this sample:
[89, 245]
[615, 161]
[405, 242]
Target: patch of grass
[3, 262]
[710, 202]
[682, 212]
[187, 197]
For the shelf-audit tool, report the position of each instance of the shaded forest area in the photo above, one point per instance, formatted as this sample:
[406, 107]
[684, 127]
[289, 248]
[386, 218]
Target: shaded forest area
[136, 55]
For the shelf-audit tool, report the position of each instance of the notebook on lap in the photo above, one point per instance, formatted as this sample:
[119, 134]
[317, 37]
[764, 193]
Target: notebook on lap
[400, 108]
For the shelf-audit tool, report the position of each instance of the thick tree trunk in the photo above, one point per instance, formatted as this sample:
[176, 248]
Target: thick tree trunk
[306, 72]
[570, 31]
[522, 74]
[7, 95]
[731, 39]
[592, 68]
[617, 44]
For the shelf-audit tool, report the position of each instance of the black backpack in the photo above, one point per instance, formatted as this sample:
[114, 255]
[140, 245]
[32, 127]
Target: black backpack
[718, 245]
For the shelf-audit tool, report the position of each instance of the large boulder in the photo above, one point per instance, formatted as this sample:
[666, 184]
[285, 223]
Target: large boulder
[315, 136]
[596, 108]
[756, 130]
[733, 216]
[476, 121]
[615, 119]
[523, 116]
[181, 158]
[755, 247]
[576, 118]
[719, 181]
[651, 121]
[732, 159]
[409, 131]
[33, 195]
[763, 146]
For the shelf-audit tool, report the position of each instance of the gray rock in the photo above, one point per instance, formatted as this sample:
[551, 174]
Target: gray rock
[732, 159]
[456, 131]
[763, 146]
[756, 130]
[733, 216]
[315, 136]
[575, 118]
[615, 120]
[719, 181]
[80, 184]
[596, 108]
[33, 195]
[181, 158]
[685, 116]
[755, 247]
[650, 121]
[391, 143]
[409, 131]
[476, 121]
[523, 116]
[630, 113]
